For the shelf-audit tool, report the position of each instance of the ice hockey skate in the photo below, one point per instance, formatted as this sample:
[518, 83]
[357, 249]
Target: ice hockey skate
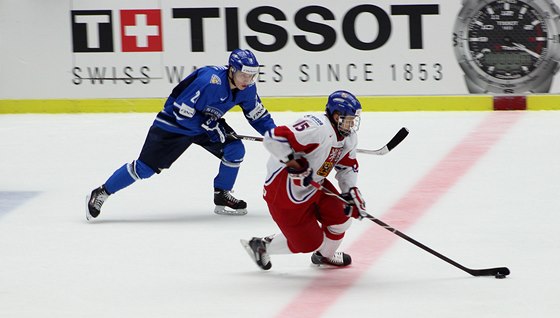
[94, 201]
[226, 204]
[339, 259]
[256, 248]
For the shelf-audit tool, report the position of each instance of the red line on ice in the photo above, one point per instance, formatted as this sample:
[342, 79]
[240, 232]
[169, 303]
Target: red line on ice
[323, 291]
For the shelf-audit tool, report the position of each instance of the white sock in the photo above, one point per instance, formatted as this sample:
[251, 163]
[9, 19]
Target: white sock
[278, 245]
[329, 246]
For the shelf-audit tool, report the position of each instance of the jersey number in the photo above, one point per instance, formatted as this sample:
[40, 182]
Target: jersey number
[301, 125]
[195, 97]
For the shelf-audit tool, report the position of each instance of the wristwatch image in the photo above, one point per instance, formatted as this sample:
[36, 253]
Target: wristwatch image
[508, 46]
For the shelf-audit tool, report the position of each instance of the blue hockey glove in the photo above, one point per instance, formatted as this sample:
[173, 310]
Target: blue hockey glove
[215, 129]
[301, 176]
[357, 205]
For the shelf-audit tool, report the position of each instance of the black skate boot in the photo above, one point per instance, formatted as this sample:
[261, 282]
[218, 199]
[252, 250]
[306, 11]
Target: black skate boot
[339, 259]
[256, 248]
[94, 201]
[223, 199]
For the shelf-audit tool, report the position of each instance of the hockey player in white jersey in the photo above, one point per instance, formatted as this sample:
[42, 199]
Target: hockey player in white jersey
[309, 149]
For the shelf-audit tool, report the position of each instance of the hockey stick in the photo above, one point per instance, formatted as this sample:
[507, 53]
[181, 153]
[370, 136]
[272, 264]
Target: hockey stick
[400, 136]
[498, 272]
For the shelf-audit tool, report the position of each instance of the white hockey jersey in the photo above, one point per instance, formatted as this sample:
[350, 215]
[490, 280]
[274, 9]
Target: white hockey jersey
[314, 138]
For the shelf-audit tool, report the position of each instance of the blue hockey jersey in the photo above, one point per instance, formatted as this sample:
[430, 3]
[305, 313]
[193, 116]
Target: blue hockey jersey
[206, 92]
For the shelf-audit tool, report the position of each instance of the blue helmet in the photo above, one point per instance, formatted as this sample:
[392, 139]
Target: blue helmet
[349, 110]
[244, 61]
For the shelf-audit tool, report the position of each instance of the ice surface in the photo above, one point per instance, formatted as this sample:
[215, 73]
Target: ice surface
[158, 250]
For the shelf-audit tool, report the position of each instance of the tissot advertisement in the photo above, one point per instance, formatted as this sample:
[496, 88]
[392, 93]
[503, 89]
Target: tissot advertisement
[142, 48]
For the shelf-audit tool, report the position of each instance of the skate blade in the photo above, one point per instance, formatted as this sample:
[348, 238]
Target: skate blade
[327, 266]
[88, 216]
[249, 250]
[222, 210]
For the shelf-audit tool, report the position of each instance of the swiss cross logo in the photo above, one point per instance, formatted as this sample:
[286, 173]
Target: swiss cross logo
[141, 30]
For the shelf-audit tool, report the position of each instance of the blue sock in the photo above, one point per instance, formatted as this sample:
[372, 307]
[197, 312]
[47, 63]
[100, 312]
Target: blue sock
[226, 176]
[119, 180]
[127, 175]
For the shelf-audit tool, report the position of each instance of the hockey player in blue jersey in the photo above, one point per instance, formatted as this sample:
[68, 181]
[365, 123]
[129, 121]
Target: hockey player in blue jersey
[193, 114]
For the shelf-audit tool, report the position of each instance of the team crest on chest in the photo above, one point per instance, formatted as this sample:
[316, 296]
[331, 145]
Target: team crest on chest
[332, 159]
[215, 79]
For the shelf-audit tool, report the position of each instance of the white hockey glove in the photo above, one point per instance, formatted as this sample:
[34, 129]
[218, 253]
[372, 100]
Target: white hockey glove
[301, 176]
[357, 206]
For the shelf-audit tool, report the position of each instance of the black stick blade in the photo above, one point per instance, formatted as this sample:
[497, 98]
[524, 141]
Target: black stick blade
[490, 271]
[400, 136]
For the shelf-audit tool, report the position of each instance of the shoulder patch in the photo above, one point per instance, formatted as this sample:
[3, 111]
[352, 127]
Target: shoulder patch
[215, 79]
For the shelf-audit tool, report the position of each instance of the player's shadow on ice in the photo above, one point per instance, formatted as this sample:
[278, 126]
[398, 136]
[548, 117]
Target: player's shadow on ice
[159, 218]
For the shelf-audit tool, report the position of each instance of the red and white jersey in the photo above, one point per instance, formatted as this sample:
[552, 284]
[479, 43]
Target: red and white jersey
[314, 138]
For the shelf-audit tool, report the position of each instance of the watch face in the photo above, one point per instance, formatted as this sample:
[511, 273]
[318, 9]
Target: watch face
[507, 39]
[508, 46]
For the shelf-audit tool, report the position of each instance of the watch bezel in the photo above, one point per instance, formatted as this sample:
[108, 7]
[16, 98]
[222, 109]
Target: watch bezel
[487, 83]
